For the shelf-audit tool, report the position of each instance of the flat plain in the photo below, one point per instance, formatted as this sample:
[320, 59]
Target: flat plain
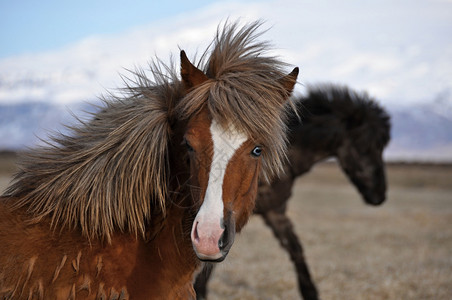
[399, 250]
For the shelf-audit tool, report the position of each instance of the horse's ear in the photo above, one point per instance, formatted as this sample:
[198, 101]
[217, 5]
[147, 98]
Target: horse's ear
[288, 81]
[191, 76]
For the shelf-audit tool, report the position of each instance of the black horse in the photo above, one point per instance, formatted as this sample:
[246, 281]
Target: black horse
[335, 122]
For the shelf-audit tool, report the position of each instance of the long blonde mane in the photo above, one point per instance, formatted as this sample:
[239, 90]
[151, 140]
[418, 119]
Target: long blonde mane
[111, 173]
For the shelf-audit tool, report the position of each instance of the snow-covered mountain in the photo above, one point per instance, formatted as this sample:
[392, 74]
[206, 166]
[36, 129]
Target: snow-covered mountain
[419, 132]
[26, 124]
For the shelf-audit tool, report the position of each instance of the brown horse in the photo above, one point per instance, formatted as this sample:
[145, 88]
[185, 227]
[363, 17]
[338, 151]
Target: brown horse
[335, 122]
[162, 177]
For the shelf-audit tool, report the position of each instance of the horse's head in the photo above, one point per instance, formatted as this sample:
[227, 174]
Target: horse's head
[224, 168]
[360, 156]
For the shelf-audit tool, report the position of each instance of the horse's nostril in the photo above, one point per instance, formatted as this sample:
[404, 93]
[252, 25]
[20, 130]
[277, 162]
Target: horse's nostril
[224, 239]
[195, 235]
[221, 241]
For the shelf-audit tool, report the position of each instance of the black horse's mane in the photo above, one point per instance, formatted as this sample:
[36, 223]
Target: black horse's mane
[329, 111]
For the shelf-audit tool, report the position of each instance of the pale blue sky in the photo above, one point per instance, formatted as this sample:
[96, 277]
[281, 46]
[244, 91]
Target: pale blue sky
[28, 26]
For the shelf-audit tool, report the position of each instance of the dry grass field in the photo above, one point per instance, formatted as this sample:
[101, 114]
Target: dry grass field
[401, 250]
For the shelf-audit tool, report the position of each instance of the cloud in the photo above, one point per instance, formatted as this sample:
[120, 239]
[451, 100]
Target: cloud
[397, 51]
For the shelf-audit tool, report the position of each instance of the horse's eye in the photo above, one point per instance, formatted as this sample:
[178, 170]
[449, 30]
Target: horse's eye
[257, 151]
[189, 147]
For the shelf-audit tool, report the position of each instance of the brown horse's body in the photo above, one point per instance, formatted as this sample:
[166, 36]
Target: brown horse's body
[128, 205]
[42, 264]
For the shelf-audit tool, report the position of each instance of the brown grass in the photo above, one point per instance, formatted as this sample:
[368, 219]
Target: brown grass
[401, 250]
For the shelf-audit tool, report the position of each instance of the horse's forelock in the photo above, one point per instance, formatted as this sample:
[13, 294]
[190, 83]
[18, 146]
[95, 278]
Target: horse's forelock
[244, 90]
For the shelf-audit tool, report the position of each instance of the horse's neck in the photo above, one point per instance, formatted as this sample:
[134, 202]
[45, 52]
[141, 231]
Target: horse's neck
[311, 144]
[302, 159]
[168, 261]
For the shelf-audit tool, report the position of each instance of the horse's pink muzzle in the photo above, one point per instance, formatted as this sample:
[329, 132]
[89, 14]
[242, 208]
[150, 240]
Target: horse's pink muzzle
[206, 238]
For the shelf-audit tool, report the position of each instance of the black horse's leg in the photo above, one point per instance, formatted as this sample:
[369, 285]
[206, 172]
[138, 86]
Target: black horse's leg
[201, 281]
[283, 230]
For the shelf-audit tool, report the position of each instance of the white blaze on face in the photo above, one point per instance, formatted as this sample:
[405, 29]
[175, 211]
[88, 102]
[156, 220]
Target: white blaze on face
[208, 227]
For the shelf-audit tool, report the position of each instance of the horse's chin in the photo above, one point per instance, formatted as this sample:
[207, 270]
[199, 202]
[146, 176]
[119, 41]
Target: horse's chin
[211, 258]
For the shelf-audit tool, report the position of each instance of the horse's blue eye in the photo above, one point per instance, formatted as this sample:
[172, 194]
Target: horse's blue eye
[257, 151]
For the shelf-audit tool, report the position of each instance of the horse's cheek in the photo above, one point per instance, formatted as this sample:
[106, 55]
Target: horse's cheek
[246, 199]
